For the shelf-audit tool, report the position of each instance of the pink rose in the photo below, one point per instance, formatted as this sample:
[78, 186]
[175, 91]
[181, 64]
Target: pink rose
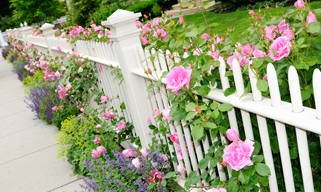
[68, 86]
[173, 137]
[144, 152]
[232, 135]
[269, 34]
[63, 68]
[54, 108]
[247, 49]
[80, 70]
[288, 34]
[252, 12]
[81, 109]
[258, 53]
[74, 53]
[128, 153]
[166, 114]
[95, 154]
[136, 163]
[299, 4]
[215, 190]
[59, 48]
[121, 125]
[138, 24]
[100, 149]
[157, 175]
[156, 112]
[241, 59]
[177, 78]
[61, 107]
[181, 20]
[164, 157]
[282, 46]
[170, 13]
[160, 33]
[282, 26]
[238, 154]
[205, 36]
[57, 74]
[98, 126]
[104, 98]
[144, 41]
[150, 180]
[311, 18]
[265, 77]
[109, 114]
[181, 169]
[179, 157]
[101, 67]
[96, 140]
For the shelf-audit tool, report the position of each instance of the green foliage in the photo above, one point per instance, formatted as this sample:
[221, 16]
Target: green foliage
[80, 10]
[61, 115]
[6, 22]
[36, 11]
[156, 10]
[149, 7]
[108, 7]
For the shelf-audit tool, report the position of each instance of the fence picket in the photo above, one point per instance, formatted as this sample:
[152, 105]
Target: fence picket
[302, 140]
[317, 91]
[280, 129]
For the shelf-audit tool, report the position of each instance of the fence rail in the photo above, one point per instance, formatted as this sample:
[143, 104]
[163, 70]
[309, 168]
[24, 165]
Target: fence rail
[127, 54]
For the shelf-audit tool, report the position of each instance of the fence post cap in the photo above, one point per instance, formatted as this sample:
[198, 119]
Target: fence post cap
[122, 25]
[47, 26]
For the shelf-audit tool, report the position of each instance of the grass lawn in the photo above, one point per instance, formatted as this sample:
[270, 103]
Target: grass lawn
[240, 20]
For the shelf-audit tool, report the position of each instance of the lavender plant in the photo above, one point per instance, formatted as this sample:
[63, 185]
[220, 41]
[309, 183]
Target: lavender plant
[130, 170]
[41, 100]
[5, 52]
[18, 68]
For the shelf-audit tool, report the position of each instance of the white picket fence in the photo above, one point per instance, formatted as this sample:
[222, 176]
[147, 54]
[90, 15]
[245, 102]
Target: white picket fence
[126, 52]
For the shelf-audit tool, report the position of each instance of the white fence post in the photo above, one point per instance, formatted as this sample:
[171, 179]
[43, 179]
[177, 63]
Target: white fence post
[47, 31]
[26, 31]
[127, 45]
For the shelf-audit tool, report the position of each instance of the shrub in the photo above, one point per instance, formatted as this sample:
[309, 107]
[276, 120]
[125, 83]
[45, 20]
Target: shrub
[32, 81]
[64, 113]
[75, 141]
[156, 10]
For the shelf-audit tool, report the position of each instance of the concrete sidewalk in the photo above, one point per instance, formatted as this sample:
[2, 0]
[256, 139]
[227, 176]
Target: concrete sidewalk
[28, 161]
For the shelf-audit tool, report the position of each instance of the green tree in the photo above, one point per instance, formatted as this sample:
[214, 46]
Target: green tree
[6, 16]
[35, 11]
[80, 11]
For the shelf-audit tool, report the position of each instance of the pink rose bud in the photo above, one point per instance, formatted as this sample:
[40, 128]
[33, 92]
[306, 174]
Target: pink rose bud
[232, 135]
[150, 180]
[82, 109]
[265, 77]
[136, 163]
[192, 64]
[61, 107]
[311, 18]
[145, 16]
[181, 20]
[98, 126]
[224, 163]
[149, 71]
[263, 31]
[149, 120]
[252, 12]
[223, 38]
[197, 108]
[85, 79]
[144, 152]
[96, 140]
[170, 13]
[258, 17]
